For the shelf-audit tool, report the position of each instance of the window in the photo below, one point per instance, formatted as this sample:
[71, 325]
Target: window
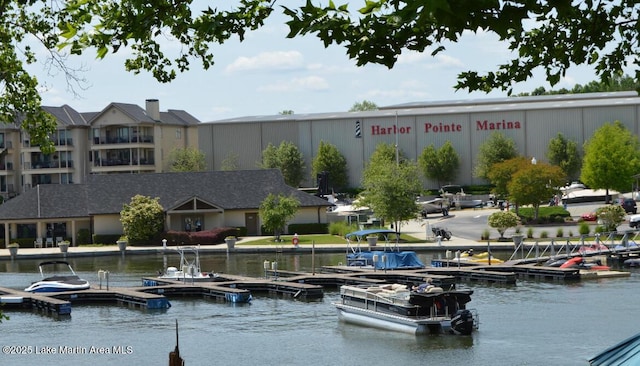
[178, 134]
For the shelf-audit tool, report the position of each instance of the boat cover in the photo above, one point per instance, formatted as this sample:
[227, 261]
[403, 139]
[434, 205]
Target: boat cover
[625, 353]
[363, 233]
[392, 260]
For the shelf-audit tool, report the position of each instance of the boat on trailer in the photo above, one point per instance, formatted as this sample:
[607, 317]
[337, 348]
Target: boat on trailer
[68, 281]
[395, 307]
[389, 257]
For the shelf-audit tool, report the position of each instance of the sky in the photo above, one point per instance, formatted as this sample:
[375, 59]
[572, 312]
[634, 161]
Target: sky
[268, 73]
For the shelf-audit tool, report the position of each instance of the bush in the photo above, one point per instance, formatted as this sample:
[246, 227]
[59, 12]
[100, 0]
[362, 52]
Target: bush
[559, 233]
[544, 235]
[311, 228]
[584, 228]
[485, 234]
[106, 238]
[341, 228]
[546, 215]
[530, 233]
[503, 220]
[83, 236]
[206, 237]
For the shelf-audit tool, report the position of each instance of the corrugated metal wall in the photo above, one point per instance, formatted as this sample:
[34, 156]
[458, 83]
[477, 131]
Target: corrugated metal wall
[357, 137]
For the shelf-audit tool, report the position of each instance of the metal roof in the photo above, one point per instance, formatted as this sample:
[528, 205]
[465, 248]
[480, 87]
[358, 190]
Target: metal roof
[625, 353]
[459, 107]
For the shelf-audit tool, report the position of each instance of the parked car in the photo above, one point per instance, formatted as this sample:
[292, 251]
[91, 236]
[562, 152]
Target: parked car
[589, 216]
[634, 221]
[629, 205]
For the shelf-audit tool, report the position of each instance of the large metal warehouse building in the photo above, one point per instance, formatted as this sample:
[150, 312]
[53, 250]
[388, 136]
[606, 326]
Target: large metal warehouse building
[530, 121]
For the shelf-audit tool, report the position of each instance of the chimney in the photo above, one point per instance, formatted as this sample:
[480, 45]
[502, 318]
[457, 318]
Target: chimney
[153, 109]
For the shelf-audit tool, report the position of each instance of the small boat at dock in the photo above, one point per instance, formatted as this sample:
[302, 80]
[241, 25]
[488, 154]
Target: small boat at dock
[57, 282]
[483, 257]
[189, 268]
[387, 256]
[397, 308]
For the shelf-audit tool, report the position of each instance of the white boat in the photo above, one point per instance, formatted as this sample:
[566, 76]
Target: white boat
[57, 282]
[395, 307]
[189, 270]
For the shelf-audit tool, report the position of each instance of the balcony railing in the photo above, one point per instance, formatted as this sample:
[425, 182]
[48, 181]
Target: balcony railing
[122, 140]
[122, 162]
[49, 164]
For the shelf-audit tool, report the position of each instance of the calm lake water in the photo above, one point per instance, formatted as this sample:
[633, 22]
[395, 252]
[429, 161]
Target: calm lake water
[531, 323]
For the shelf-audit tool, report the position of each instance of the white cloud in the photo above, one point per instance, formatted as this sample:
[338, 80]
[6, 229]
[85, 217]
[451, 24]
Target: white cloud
[280, 60]
[448, 61]
[413, 57]
[309, 83]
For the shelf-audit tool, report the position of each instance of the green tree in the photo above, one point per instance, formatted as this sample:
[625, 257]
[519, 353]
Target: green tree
[230, 162]
[389, 188]
[288, 159]
[552, 36]
[497, 148]
[441, 165]
[329, 159]
[611, 216]
[387, 152]
[565, 154]
[142, 218]
[501, 173]
[503, 220]
[535, 183]
[611, 158]
[275, 211]
[188, 159]
[365, 105]
[286, 111]
[549, 35]
[616, 83]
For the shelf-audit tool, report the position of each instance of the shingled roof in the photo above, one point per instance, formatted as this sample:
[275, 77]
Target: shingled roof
[106, 194]
[47, 201]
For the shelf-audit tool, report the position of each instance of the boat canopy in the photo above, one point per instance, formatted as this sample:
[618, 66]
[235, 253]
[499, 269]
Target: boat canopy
[624, 353]
[361, 233]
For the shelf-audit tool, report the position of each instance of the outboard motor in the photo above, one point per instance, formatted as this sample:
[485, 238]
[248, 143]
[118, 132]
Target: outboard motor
[462, 322]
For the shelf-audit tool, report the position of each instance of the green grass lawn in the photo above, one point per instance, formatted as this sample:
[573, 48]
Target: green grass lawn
[315, 238]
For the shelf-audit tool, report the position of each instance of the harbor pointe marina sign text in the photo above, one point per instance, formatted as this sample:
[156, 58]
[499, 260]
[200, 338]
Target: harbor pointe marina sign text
[530, 122]
[441, 127]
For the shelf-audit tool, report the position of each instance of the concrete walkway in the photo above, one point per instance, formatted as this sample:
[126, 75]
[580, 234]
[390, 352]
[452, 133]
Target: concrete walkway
[415, 228]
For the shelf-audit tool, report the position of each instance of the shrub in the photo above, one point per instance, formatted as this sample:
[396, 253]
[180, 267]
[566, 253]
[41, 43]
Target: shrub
[559, 233]
[83, 236]
[485, 234]
[530, 233]
[584, 228]
[310, 228]
[341, 228]
[544, 235]
[546, 214]
[213, 236]
[611, 216]
[503, 220]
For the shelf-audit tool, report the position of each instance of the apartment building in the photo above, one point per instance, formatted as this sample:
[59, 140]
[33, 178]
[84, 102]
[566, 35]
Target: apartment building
[122, 138]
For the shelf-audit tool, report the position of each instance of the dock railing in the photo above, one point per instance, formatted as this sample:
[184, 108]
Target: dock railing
[568, 248]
